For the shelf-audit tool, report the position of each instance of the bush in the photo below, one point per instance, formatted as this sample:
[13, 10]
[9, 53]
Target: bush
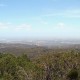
[73, 74]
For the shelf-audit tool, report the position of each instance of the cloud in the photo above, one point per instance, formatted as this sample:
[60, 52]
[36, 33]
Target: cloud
[75, 13]
[14, 27]
[70, 13]
[63, 28]
[61, 25]
[2, 5]
[24, 27]
[4, 26]
[43, 22]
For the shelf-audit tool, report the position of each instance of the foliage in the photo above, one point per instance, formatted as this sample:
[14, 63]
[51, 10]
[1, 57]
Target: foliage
[64, 65]
[73, 74]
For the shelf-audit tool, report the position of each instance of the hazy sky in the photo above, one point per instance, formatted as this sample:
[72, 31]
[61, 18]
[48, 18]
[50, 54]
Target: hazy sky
[39, 19]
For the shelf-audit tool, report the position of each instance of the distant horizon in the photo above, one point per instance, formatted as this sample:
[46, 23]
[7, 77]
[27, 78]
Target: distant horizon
[31, 39]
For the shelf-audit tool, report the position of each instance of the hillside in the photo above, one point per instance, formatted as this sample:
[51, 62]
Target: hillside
[51, 66]
[31, 62]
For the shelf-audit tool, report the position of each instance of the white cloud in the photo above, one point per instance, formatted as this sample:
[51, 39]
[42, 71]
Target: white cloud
[14, 27]
[2, 5]
[61, 24]
[63, 28]
[75, 13]
[52, 14]
[4, 26]
[24, 27]
[44, 22]
[70, 13]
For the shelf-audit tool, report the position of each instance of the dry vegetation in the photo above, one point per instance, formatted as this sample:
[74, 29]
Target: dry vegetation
[41, 64]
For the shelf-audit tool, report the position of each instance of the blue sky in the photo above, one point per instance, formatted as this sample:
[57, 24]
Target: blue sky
[40, 19]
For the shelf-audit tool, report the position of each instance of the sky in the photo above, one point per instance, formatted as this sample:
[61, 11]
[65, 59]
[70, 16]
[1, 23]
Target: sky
[39, 19]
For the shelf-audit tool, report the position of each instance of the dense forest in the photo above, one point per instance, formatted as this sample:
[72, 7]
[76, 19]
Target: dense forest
[49, 65]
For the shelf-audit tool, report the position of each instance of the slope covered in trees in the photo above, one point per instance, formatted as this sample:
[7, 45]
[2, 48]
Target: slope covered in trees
[64, 65]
